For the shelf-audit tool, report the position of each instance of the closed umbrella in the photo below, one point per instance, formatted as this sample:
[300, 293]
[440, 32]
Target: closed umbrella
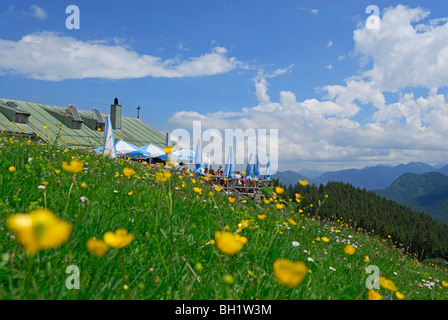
[228, 171]
[109, 148]
[198, 157]
[256, 168]
[250, 165]
[268, 170]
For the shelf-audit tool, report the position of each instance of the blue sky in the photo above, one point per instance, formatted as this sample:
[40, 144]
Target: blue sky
[340, 95]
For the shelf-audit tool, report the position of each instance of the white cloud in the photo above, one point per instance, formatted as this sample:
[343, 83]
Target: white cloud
[323, 133]
[33, 11]
[329, 44]
[329, 66]
[405, 55]
[51, 56]
[315, 11]
[38, 12]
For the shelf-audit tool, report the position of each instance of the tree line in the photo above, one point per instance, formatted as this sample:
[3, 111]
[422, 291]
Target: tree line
[415, 232]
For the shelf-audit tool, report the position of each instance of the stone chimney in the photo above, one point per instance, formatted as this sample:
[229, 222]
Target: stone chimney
[115, 115]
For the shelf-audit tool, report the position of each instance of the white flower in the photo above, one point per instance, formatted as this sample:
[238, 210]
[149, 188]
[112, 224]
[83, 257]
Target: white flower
[116, 191]
[41, 187]
[332, 269]
[310, 259]
[295, 244]
[83, 199]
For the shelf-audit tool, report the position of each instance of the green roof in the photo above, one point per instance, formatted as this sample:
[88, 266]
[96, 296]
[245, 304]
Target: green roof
[132, 130]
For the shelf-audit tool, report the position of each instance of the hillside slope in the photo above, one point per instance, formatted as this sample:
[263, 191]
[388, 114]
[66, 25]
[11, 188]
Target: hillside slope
[422, 192]
[155, 234]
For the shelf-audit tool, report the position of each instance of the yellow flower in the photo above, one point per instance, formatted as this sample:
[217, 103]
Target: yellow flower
[445, 284]
[229, 243]
[46, 127]
[298, 195]
[39, 230]
[288, 272]
[197, 190]
[128, 172]
[303, 182]
[291, 221]
[279, 206]
[57, 171]
[97, 247]
[231, 199]
[325, 239]
[387, 284]
[83, 185]
[118, 239]
[374, 295]
[267, 201]
[160, 177]
[74, 166]
[131, 192]
[366, 259]
[399, 295]
[279, 190]
[12, 169]
[262, 216]
[243, 224]
[348, 249]
[218, 189]
[168, 149]
[169, 164]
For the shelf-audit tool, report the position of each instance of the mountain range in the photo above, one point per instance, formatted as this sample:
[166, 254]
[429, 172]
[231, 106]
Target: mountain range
[371, 178]
[417, 185]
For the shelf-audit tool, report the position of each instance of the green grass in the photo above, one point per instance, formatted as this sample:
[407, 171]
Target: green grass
[173, 226]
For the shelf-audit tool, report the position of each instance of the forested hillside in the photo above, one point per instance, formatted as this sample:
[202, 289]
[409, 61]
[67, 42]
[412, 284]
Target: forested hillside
[415, 232]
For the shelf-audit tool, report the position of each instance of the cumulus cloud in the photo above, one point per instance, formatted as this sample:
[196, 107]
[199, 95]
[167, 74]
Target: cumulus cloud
[54, 57]
[321, 133]
[405, 51]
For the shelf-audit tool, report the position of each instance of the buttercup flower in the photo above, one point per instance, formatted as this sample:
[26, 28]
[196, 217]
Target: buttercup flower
[387, 284]
[288, 272]
[374, 295]
[231, 199]
[279, 190]
[399, 295]
[39, 230]
[279, 206]
[348, 249]
[97, 247]
[118, 239]
[128, 172]
[218, 189]
[74, 166]
[303, 182]
[12, 169]
[262, 216]
[229, 243]
[168, 149]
